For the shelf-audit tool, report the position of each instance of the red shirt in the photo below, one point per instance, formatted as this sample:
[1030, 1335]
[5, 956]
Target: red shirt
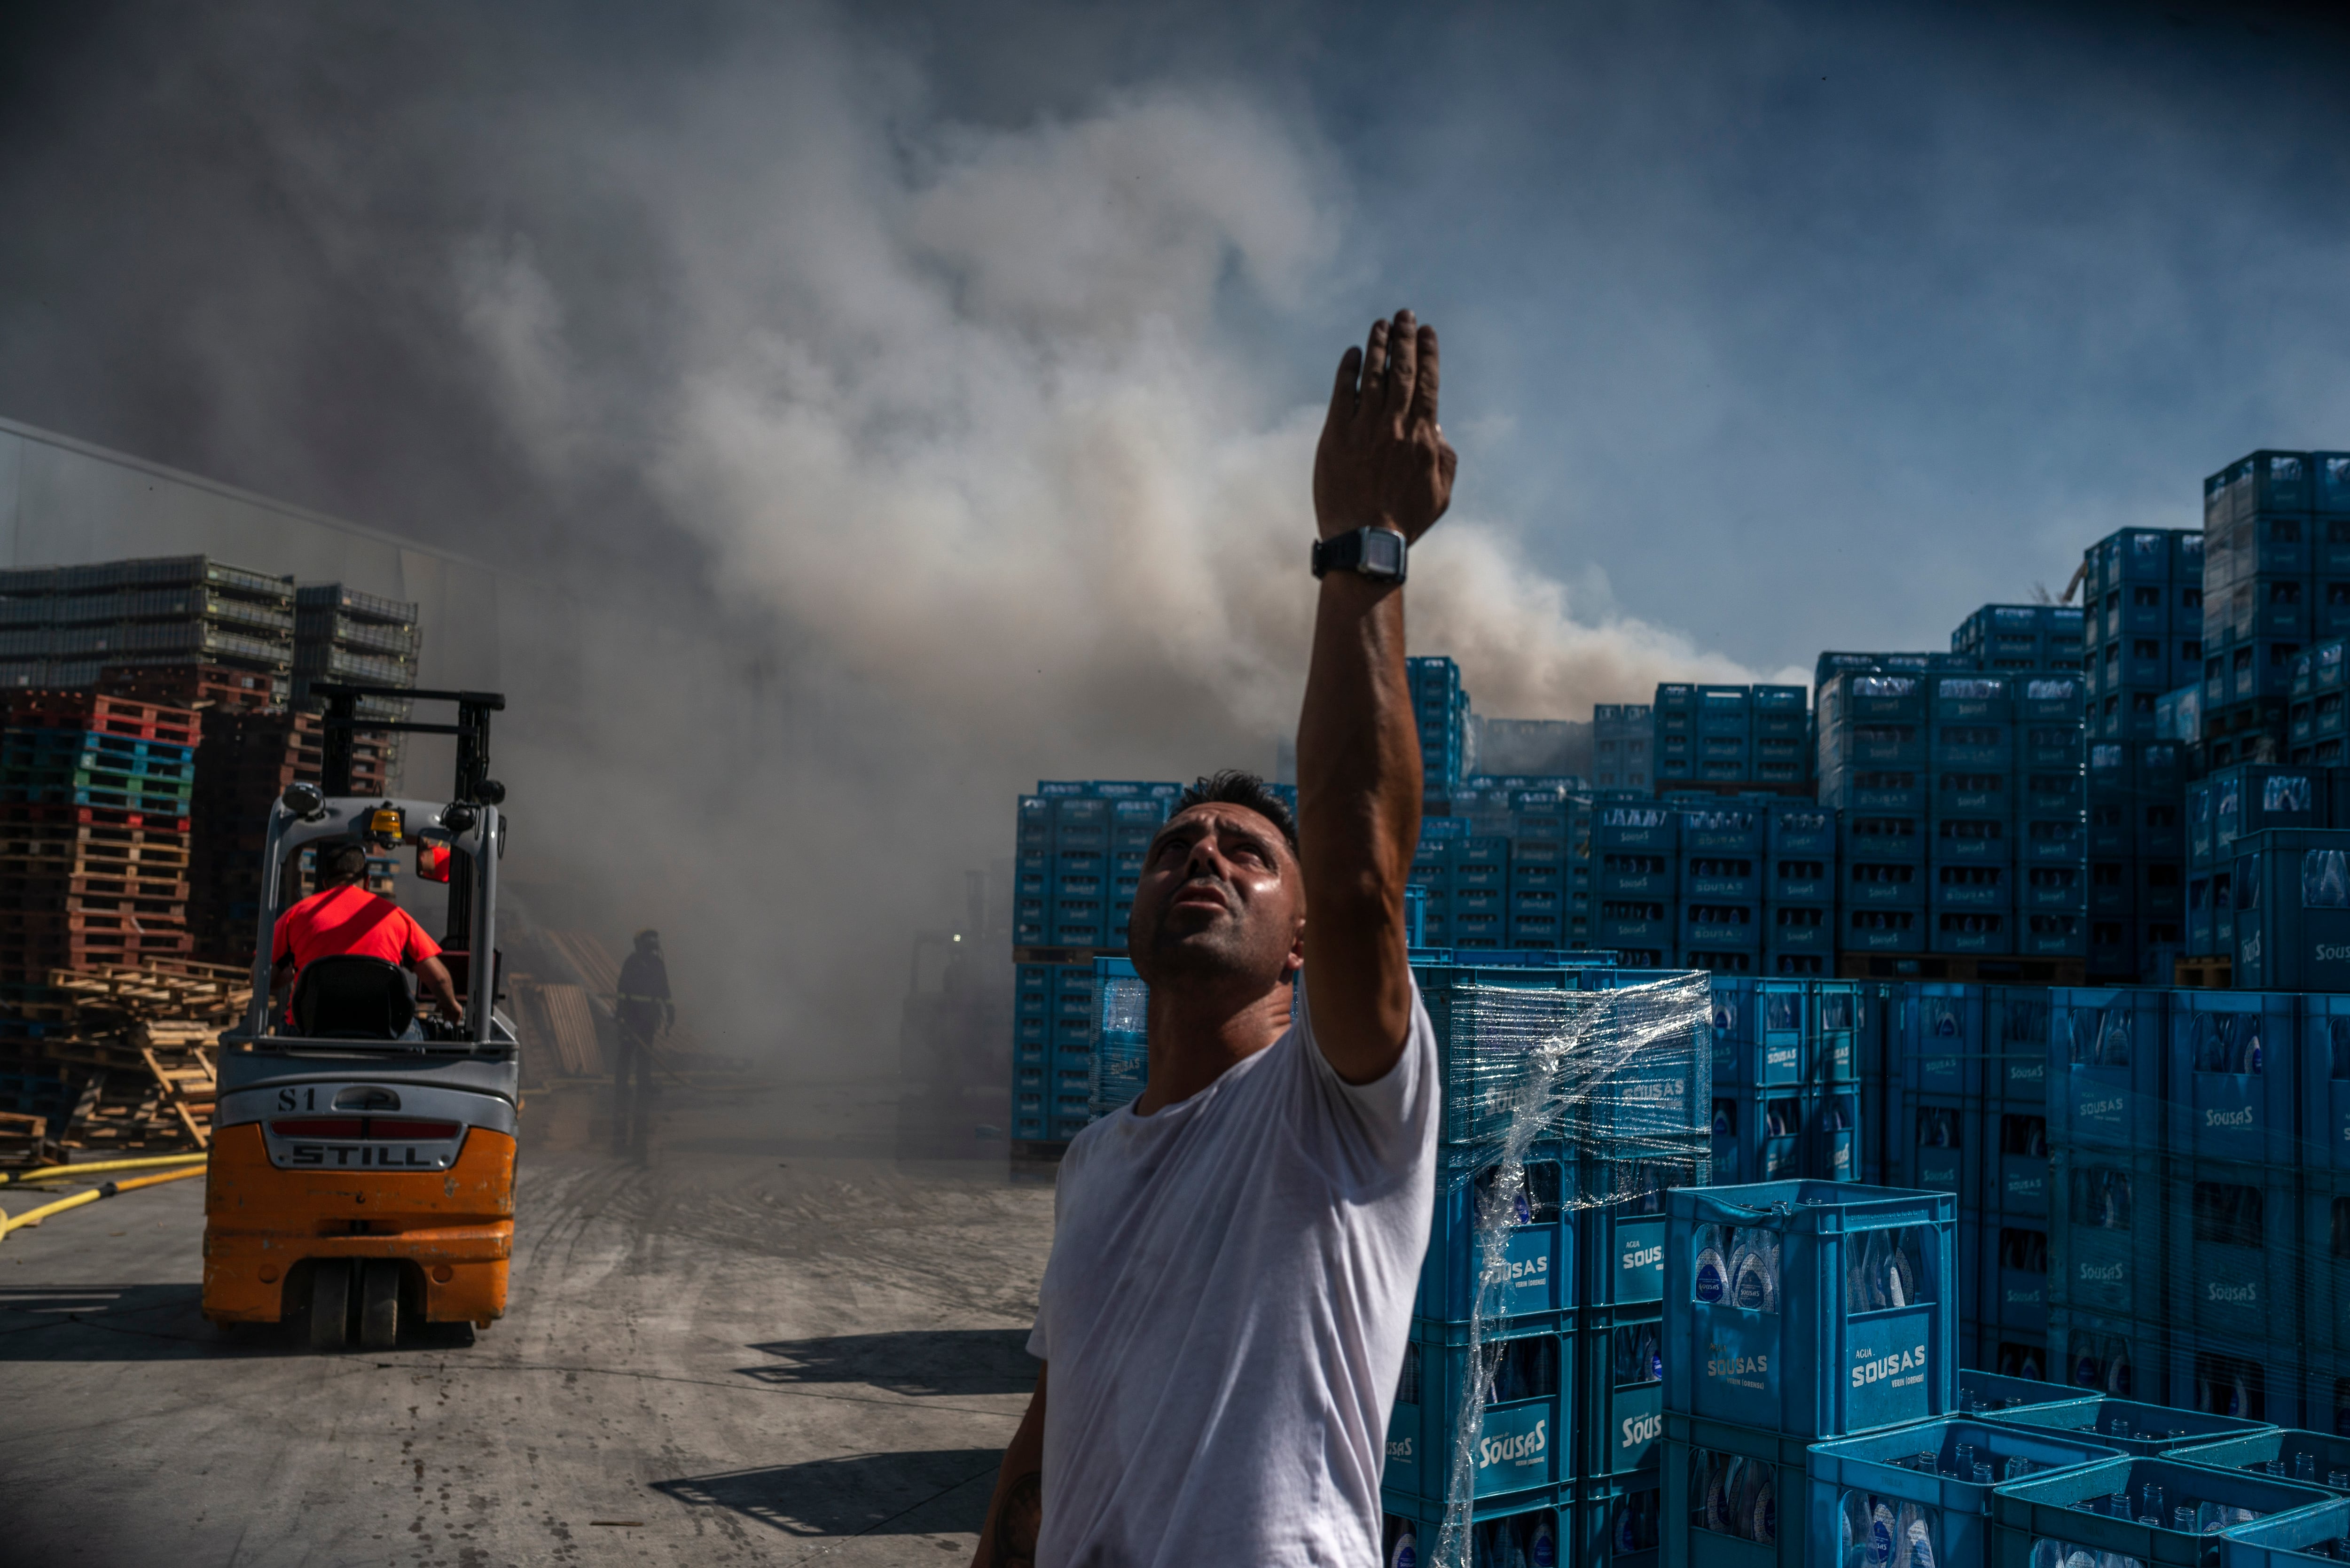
[349, 919]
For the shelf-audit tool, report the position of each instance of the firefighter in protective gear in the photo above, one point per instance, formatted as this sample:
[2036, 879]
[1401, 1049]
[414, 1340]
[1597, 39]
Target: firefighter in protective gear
[642, 1010]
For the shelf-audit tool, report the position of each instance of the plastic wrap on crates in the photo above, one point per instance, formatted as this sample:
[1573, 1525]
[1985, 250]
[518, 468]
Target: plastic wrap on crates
[1616, 1075]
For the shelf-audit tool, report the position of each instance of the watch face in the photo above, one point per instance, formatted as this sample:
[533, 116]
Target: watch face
[1382, 552]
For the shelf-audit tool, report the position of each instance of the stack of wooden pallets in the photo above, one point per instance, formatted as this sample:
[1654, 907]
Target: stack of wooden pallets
[94, 793]
[247, 761]
[140, 1044]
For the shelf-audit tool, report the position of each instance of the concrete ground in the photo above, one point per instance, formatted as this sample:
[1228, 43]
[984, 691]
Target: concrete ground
[769, 1342]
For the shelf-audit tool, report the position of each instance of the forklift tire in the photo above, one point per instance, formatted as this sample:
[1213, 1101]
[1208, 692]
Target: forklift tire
[330, 1303]
[380, 1303]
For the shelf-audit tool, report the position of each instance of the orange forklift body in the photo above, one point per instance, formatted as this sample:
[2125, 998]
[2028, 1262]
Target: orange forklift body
[456, 1225]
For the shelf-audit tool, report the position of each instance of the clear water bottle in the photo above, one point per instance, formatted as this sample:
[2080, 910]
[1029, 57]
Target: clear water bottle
[1405, 1553]
[1712, 1268]
[1900, 1273]
[1542, 1543]
[2304, 1466]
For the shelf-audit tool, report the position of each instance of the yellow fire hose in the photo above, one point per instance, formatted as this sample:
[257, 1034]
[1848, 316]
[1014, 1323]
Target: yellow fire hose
[74, 1172]
[107, 1189]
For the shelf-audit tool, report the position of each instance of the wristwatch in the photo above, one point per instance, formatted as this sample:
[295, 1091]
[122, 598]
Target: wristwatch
[1374, 552]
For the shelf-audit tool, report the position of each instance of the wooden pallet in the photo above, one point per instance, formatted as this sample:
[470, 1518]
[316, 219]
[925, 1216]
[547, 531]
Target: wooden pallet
[1999, 969]
[102, 714]
[2201, 973]
[48, 889]
[21, 813]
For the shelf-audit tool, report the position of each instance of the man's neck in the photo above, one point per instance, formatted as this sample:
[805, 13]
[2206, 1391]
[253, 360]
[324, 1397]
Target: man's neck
[1197, 1035]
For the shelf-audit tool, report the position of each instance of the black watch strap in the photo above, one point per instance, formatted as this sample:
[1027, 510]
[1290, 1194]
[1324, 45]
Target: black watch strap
[1378, 553]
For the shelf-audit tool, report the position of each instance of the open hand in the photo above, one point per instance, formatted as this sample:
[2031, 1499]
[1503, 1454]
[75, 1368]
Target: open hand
[1383, 462]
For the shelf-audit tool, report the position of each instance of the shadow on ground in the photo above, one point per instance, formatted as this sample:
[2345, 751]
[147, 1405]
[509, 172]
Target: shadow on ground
[161, 1323]
[918, 1361]
[106, 1323]
[910, 1493]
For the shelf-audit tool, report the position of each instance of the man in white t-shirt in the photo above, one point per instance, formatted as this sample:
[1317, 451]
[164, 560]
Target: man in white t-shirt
[1225, 1312]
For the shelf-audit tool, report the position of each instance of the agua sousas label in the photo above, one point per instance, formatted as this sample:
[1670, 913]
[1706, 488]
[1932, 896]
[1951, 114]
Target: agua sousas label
[1513, 1451]
[1640, 1260]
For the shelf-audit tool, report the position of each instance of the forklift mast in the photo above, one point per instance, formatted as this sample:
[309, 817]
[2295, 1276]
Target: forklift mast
[473, 785]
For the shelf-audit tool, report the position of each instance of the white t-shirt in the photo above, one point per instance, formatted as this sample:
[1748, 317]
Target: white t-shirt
[1225, 1312]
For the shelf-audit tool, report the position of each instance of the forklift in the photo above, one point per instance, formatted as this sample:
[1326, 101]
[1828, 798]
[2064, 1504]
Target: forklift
[363, 1154]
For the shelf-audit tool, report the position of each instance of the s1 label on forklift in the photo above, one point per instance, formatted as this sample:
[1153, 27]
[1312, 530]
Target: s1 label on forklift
[380, 1127]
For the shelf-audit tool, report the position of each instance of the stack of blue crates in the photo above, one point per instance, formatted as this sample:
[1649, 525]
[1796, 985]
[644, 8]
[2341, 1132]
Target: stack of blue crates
[2050, 827]
[2136, 862]
[1674, 714]
[1788, 1062]
[1966, 1115]
[1636, 854]
[1541, 897]
[2198, 1218]
[1441, 709]
[2021, 638]
[2292, 897]
[2143, 589]
[1970, 814]
[1731, 737]
[2232, 802]
[1794, 1312]
[1720, 879]
[1873, 767]
[1079, 852]
[1799, 866]
[1573, 1340]
[1623, 735]
[2276, 580]
[2315, 728]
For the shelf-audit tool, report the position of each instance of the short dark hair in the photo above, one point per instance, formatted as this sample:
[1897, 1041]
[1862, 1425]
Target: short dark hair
[1231, 786]
[341, 863]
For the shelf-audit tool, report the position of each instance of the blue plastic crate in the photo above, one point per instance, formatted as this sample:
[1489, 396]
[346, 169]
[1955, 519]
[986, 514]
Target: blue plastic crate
[1624, 1240]
[1936, 1147]
[2133, 1426]
[1866, 1493]
[1759, 1134]
[2015, 1031]
[2014, 1260]
[1720, 879]
[2234, 1272]
[2107, 1225]
[1941, 1042]
[1974, 838]
[1803, 1358]
[1983, 1392]
[1524, 1529]
[1525, 1441]
[2017, 1138]
[2313, 1534]
[2105, 1052]
[1538, 1251]
[1963, 932]
[1971, 886]
[2287, 1453]
[1732, 1495]
[1636, 826]
[1622, 1383]
[1882, 884]
[2052, 840]
[1637, 874]
[2326, 1263]
[1801, 830]
[2049, 1510]
[1881, 931]
[1795, 878]
[2231, 1084]
[1887, 836]
[1799, 929]
[2108, 1354]
[2324, 1065]
[1618, 1524]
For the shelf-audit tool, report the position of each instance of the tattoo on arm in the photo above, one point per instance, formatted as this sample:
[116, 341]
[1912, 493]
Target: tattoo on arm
[1017, 1520]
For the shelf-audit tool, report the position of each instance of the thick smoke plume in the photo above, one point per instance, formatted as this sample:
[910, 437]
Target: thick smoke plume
[879, 462]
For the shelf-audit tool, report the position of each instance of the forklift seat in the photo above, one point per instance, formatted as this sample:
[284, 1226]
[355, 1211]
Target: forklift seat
[348, 997]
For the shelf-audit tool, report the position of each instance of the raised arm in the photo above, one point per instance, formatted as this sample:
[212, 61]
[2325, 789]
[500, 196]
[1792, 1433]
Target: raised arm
[1007, 1537]
[1382, 463]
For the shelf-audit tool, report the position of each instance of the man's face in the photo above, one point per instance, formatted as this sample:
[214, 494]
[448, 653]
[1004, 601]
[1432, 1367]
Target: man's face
[1221, 895]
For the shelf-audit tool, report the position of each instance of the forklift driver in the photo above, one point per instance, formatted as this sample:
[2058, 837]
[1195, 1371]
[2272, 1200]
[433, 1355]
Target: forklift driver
[342, 916]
